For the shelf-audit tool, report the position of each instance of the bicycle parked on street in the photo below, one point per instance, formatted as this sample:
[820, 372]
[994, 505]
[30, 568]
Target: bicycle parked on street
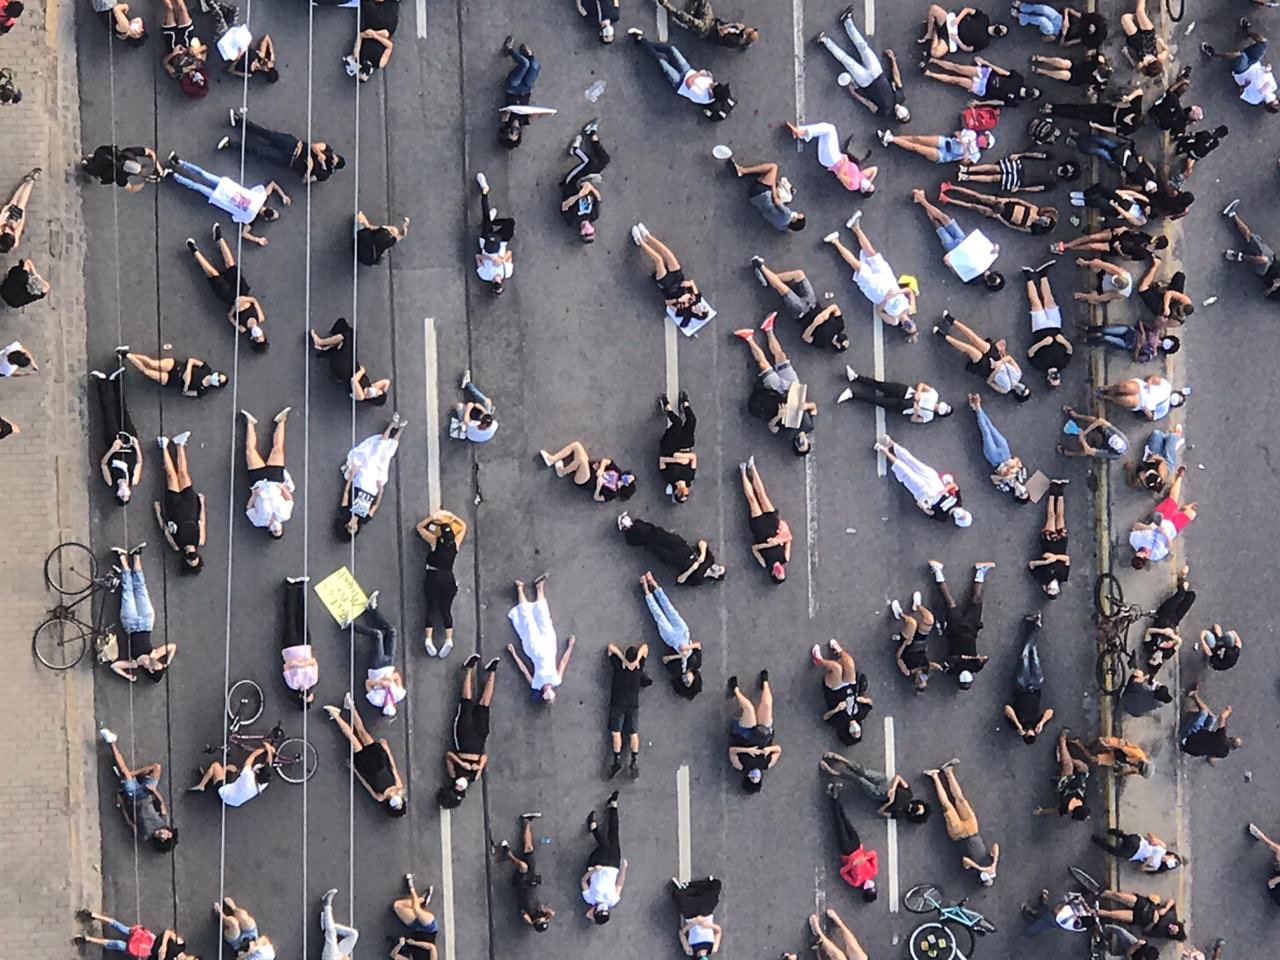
[61, 640]
[293, 758]
[952, 934]
[1113, 618]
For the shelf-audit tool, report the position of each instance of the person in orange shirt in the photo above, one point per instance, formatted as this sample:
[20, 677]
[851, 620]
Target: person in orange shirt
[858, 865]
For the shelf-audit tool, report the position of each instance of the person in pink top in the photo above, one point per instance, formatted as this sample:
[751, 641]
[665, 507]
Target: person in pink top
[384, 687]
[301, 670]
[849, 172]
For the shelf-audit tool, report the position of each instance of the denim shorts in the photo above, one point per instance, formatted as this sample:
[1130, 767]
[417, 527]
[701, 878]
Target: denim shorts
[951, 235]
[247, 936]
[950, 150]
[132, 787]
[1249, 56]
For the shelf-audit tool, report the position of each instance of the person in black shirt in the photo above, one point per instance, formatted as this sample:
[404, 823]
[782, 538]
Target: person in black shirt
[372, 760]
[1092, 70]
[820, 327]
[517, 89]
[579, 194]
[626, 679]
[1050, 351]
[1273, 882]
[912, 656]
[244, 312]
[182, 518]
[1221, 650]
[1071, 783]
[259, 58]
[1053, 567]
[1205, 733]
[466, 761]
[1168, 113]
[370, 51]
[770, 535]
[777, 391]
[692, 565]
[751, 746]
[1123, 117]
[677, 461]
[314, 164]
[1124, 242]
[123, 166]
[23, 285]
[1142, 695]
[865, 77]
[525, 879]
[121, 465]
[443, 533]
[373, 241]
[894, 793]
[1084, 29]
[846, 702]
[969, 30]
[339, 347]
[991, 84]
[1194, 147]
[1024, 710]
[963, 624]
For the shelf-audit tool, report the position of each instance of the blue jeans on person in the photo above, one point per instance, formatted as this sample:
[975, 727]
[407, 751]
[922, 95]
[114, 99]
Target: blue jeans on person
[671, 626]
[1030, 674]
[1107, 149]
[1165, 445]
[523, 75]
[670, 59]
[136, 613]
[132, 788]
[371, 623]
[1041, 16]
[1249, 56]
[994, 446]
[951, 234]
[118, 946]
[1204, 720]
[206, 188]
[474, 393]
[1120, 335]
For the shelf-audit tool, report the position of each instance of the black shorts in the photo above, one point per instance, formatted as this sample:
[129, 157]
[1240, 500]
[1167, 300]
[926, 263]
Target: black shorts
[624, 721]
[670, 284]
[531, 877]
[470, 727]
[764, 526]
[269, 472]
[178, 36]
[983, 366]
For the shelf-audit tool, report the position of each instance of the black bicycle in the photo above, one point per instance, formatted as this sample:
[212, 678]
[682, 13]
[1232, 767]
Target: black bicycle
[1113, 618]
[61, 640]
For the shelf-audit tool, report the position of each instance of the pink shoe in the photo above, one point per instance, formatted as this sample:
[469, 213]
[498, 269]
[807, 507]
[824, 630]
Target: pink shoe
[746, 333]
[768, 322]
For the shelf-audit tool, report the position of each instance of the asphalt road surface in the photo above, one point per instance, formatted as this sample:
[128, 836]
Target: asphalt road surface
[576, 348]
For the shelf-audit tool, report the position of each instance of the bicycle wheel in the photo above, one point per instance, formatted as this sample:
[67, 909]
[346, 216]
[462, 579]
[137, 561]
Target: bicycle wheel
[296, 760]
[60, 644]
[1110, 671]
[922, 898]
[70, 569]
[1108, 596]
[244, 703]
[933, 941]
[1086, 881]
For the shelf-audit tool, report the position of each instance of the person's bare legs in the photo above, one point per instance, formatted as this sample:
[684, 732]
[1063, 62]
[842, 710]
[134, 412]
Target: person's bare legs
[749, 492]
[746, 711]
[762, 496]
[1242, 227]
[1066, 762]
[490, 684]
[152, 369]
[252, 459]
[764, 709]
[1033, 295]
[1175, 488]
[118, 759]
[972, 352]
[1046, 295]
[357, 725]
[575, 451]
[762, 362]
[775, 348]
[228, 259]
[181, 7]
[169, 19]
[852, 948]
[172, 482]
[985, 200]
[1124, 390]
[961, 804]
[944, 799]
[767, 172]
[847, 255]
[669, 260]
[825, 948]
[1140, 16]
[276, 457]
[215, 771]
[848, 668]
[209, 270]
[832, 672]
[968, 334]
[659, 265]
[1256, 832]
[864, 245]
[345, 728]
[936, 217]
[778, 281]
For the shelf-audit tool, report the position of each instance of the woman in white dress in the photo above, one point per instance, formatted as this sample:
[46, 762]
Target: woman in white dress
[367, 469]
[937, 494]
[532, 622]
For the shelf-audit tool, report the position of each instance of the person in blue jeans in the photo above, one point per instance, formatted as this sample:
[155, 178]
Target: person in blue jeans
[1046, 19]
[140, 801]
[138, 940]
[698, 86]
[1008, 473]
[671, 626]
[517, 89]
[246, 205]
[137, 620]
[1160, 458]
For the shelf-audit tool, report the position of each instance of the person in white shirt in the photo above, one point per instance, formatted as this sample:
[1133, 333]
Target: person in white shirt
[495, 262]
[936, 494]
[473, 419]
[1152, 398]
[246, 205]
[367, 470]
[255, 776]
[970, 255]
[240, 932]
[301, 670]
[1152, 542]
[532, 623]
[697, 86]
[384, 686]
[1150, 852]
[878, 282]
[1257, 82]
[270, 486]
[17, 361]
[696, 900]
[606, 871]
[919, 401]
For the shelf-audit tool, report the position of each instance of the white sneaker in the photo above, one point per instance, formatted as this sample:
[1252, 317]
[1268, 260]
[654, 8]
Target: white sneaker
[162, 442]
[915, 601]
[850, 373]
[484, 184]
[181, 439]
[831, 237]
[896, 609]
[853, 220]
[445, 649]
[430, 647]
[845, 396]
[107, 735]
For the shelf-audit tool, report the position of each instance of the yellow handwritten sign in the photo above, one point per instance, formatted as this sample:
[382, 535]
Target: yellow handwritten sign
[341, 595]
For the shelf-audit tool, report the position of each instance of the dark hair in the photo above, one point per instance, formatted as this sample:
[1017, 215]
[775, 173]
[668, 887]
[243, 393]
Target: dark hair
[19, 358]
[869, 894]
[840, 342]
[1069, 171]
[1081, 812]
[1271, 106]
[1153, 69]
[1163, 694]
[190, 570]
[1029, 737]
[1161, 242]
[1138, 562]
[263, 772]
[259, 346]
[796, 441]
[542, 925]
[399, 811]
[631, 652]
[1221, 130]
[627, 490]
[14, 8]
[752, 786]
[998, 29]
[163, 844]
[339, 162]
[510, 133]
[600, 915]
[845, 736]
[692, 690]
[269, 214]
[993, 280]
[797, 222]
[6, 242]
[448, 798]
[1148, 951]
[377, 401]
[1174, 346]
[272, 75]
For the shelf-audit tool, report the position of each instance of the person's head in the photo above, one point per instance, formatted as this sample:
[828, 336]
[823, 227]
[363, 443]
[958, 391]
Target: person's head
[123, 490]
[6, 240]
[496, 286]
[1029, 737]
[778, 572]
[1053, 589]
[1163, 694]
[801, 444]
[452, 795]
[1068, 171]
[395, 804]
[305, 698]
[962, 518]
[14, 9]
[272, 75]
[965, 680]
[986, 877]
[702, 950]
[375, 396]
[1082, 812]
[1045, 221]
[1174, 930]
[680, 491]
[714, 572]
[1179, 397]
[1053, 377]
[753, 781]
[1235, 743]
[920, 679]
[268, 215]
[216, 380]
[258, 342]
[869, 891]
[1170, 861]
[1140, 558]
[542, 923]
[626, 486]
[797, 222]
[852, 733]
[867, 187]
[986, 140]
[1271, 104]
[840, 342]
[902, 113]
[917, 811]
[993, 280]
[165, 839]
[509, 133]
[263, 772]
[19, 358]
[606, 33]
[600, 914]
[997, 29]
[1220, 131]
[1147, 951]
[688, 684]
[547, 693]
[1153, 67]
[192, 562]
[389, 707]
[735, 34]
[586, 231]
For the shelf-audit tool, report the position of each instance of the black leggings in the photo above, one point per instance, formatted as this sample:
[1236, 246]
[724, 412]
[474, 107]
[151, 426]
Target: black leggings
[296, 631]
[440, 588]
[1124, 844]
[698, 898]
[115, 413]
[591, 157]
[494, 230]
[608, 851]
[846, 836]
[679, 435]
[269, 145]
[1170, 613]
[883, 393]
[1100, 113]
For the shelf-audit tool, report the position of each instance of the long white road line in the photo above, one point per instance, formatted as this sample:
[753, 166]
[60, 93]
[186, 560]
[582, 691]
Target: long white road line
[891, 841]
[431, 364]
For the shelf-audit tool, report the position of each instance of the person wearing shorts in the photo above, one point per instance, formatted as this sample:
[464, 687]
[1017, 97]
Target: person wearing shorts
[962, 824]
[525, 879]
[777, 375]
[467, 760]
[821, 327]
[1050, 351]
[1257, 83]
[1259, 254]
[270, 487]
[627, 677]
[951, 235]
[985, 358]
[893, 302]
[963, 146]
[1153, 541]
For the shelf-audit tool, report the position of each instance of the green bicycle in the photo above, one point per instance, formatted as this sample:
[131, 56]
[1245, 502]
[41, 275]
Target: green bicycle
[952, 934]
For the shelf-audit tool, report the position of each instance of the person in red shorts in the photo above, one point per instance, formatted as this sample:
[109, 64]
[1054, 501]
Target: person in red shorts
[1153, 541]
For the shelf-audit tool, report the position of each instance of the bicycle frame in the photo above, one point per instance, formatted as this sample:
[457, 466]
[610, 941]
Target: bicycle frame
[961, 915]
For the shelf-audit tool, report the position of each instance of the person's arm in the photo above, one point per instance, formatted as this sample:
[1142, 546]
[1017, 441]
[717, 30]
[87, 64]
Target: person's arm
[622, 875]
[688, 81]
[1013, 718]
[568, 652]
[756, 552]
[247, 234]
[199, 497]
[774, 753]
[346, 494]
[274, 187]
[902, 667]
[702, 555]
[735, 754]
[582, 192]
[821, 318]
[106, 458]
[377, 500]
[524, 671]
[684, 939]
[158, 798]
[1110, 268]
[987, 63]
[167, 62]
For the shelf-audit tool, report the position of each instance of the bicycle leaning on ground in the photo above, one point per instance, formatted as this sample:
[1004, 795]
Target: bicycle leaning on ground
[293, 758]
[60, 642]
[940, 938]
[1113, 618]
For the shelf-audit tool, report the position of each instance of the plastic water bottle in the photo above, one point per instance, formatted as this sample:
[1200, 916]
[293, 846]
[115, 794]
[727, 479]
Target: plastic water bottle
[594, 92]
[545, 839]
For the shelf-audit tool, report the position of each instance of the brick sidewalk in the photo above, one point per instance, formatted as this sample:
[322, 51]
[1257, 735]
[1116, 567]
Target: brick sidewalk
[49, 837]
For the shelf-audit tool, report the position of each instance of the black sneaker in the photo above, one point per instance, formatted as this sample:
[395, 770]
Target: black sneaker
[615, 768]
